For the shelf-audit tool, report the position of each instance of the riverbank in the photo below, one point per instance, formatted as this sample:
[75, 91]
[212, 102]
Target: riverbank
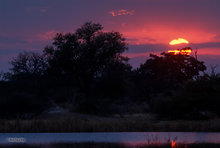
[85, 123]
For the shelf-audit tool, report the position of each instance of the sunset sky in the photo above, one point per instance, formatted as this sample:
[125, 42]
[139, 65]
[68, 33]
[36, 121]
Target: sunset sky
[148, 25]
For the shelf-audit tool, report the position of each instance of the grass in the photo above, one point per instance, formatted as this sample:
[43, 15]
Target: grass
[109, 145]
[106, 125]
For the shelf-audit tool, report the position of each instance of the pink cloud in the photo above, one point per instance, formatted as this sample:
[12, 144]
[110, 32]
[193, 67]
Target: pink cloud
[122, 12]
[47, 35]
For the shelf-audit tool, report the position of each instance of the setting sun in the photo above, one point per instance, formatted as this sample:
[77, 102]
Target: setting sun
[179, 41]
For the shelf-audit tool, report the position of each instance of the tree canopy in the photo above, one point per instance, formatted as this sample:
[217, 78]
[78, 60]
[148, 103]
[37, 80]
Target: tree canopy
[86, 54]
[28, 64]
[172, 69]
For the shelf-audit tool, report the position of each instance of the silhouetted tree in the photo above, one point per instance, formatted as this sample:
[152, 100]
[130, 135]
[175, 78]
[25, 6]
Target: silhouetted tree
[28, 64]
[91, 61]
[86, 54]
[172, 70]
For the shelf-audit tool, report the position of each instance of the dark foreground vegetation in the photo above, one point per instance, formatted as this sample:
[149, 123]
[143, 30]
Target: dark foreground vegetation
[86, 72]
[106, 125]
[111, 145]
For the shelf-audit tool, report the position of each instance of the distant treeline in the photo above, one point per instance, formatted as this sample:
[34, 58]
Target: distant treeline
[86, 72]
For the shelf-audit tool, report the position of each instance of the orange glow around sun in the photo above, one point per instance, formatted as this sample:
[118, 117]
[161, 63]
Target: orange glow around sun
[179, 41]
[184, 51]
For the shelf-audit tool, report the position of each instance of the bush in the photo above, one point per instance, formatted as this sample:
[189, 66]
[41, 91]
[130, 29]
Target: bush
[21, 105]
[199, 99]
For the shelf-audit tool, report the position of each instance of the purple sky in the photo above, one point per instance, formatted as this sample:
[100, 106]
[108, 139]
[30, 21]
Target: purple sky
[148, 25]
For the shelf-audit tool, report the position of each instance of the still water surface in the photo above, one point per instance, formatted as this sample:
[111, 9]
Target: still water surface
[121, 137]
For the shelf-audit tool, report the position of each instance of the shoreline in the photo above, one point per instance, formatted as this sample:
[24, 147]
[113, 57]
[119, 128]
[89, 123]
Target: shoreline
[111, 145]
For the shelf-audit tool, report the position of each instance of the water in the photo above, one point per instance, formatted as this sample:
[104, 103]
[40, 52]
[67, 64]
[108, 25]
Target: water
[120, 137]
